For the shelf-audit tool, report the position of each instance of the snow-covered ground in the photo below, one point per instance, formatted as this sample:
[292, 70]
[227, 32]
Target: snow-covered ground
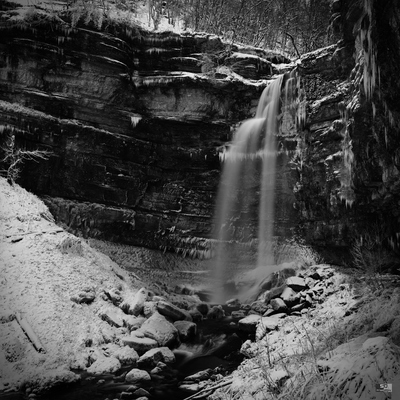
[41, 268]
[352, 334]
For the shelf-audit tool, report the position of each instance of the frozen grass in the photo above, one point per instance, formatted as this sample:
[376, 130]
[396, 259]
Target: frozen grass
[328, 354]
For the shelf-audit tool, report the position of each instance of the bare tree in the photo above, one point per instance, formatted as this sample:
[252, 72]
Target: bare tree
[292, 26]
[13, 158]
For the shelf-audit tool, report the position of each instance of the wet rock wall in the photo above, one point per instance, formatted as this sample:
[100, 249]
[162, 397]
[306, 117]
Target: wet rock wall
[347, 152]
[133, 120]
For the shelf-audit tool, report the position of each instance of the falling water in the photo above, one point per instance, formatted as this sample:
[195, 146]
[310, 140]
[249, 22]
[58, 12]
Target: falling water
[245, 203]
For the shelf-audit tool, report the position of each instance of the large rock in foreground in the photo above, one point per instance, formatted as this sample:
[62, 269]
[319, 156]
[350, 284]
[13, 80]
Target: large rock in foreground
[163, 332]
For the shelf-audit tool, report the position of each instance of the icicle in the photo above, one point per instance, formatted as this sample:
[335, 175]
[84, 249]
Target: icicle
[156, 50]
[386, 137]
[346, 192]
[135, 121]
[371, 73]
[391, 119]
[156, 80]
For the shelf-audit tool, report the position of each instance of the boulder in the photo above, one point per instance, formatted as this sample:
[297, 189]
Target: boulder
[191, 387]
[250, 349]
[158, 298]
[156, 371]
[289, 297]
[319, 288]
[183, 289]
[296, 283]
[104, 365]
[270, 312]
[133, 304]
[310, 282]
[114, 295]
[199, 376]
[149, 308]
[253, 312]
[132, 322]
[127, 395]
[141, 345]
[86, 296]
[126, 355]
[308, 299]
[295, 314]
[238, 314]
[158, 328]
[278, 305]
[171, 311]
[195, 314]
[216, 312]
[203, 308]
[108, 334]
[259, 307]
[298, 307]
[310, 292]
[323, 272]
[136, 375]
[186, 329]
[151, 358]
[267, 296]
[141, 393]
[233, 303]
[249, 323]
[265, 325]
[114, 316]
[277, 316]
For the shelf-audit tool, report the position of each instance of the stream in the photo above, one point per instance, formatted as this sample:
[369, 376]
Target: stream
[216, 347]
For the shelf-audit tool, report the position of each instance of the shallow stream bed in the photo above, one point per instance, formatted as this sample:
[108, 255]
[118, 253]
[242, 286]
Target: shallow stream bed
[215, 347]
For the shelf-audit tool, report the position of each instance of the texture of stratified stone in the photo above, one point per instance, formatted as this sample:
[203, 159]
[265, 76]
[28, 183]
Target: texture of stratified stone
[133, 124]
[347, 152]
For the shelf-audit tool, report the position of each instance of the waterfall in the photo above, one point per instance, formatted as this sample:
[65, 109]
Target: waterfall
[245, 203]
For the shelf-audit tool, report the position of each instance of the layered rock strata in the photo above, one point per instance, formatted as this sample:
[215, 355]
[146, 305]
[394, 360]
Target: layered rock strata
[347, 156]
[134, 122]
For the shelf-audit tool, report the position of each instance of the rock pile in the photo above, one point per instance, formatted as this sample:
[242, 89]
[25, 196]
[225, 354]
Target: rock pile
[295, 297]
[328, 346]
[147, 327]
[143, 330]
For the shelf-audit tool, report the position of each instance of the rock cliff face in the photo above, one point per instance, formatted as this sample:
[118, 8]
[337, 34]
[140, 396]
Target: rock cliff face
[134, 121]
[348, 153]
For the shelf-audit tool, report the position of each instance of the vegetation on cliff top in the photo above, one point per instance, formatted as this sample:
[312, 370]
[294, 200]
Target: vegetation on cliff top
[294, 27]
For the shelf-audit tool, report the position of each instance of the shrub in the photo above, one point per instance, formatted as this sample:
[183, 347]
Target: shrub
[71, 245]
[370, 255]
[14, 156]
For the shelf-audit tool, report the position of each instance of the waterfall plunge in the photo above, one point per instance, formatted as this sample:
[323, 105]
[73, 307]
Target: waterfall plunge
[245, 203]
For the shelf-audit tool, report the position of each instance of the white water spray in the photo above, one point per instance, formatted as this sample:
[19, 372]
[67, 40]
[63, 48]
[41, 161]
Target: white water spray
[245, 204]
